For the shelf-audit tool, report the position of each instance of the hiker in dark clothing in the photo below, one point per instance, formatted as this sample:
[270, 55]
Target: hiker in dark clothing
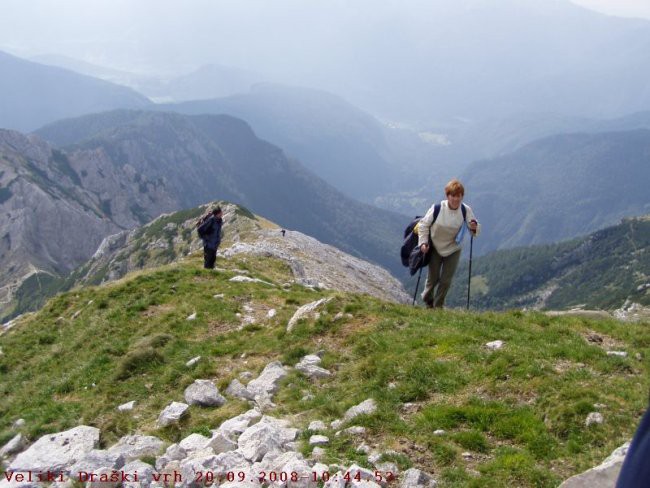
[635, 472]
[210, 233]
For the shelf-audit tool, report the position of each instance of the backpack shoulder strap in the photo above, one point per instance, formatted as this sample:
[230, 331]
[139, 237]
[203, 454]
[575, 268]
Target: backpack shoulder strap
[463, 209]
[436, 212]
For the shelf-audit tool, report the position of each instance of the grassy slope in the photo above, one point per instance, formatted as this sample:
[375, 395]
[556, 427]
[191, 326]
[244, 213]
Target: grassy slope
[598, 271]
[519, 411]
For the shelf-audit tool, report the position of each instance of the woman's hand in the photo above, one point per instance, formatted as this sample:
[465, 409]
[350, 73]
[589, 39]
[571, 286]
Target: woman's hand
[424, 248]
[473, 224]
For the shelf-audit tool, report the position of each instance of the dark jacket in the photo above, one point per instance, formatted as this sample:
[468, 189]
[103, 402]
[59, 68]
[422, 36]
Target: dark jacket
[210, 232]
[635, 472]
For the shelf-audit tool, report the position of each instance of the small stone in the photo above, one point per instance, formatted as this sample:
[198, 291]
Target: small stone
[594, 418]
[317, 426]
[392, 385]
[621, 354]
[172, 413]
[18, 424]
[356, 430]
[192, 361]
[218, 295]
[307, 398]
[336, 424]
[439, 432]
[192, 317]
[318, 440]
[126, 407]
[245, 375]
[204, 393]
[271, 313]
[494, 345]
[467, 455]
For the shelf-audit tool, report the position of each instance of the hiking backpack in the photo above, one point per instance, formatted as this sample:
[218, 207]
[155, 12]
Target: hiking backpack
[410, 248]
[202, 226]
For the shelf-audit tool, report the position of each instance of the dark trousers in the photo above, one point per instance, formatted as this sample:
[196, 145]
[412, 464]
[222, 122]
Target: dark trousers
[441, 271]
[209, 257]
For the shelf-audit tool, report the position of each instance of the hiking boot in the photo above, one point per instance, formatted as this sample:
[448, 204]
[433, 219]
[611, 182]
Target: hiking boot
[428, 303]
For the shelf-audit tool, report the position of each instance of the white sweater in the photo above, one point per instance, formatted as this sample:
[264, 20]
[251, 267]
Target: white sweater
[444, 230]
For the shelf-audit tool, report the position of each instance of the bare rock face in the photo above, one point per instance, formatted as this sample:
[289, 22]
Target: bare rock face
[57, 206]
[47, 222]
[316, 264]
[57, 452]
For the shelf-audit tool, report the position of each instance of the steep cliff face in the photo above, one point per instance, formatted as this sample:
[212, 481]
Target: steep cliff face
[55, 209]
[48, 222]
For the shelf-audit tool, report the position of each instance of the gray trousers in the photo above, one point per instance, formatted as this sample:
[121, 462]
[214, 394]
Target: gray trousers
[441, 271]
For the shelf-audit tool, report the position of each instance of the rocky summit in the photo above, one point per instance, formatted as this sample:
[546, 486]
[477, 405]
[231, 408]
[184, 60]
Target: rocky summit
[173, 236]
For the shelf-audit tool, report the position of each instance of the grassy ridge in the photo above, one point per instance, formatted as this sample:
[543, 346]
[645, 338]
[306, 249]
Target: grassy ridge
[519, 411]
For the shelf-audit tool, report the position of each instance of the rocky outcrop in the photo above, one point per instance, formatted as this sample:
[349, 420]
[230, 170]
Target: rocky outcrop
[320, 265]
[57, 453]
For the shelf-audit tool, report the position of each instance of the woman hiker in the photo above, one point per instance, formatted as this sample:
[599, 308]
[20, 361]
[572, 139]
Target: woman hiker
[445, 223]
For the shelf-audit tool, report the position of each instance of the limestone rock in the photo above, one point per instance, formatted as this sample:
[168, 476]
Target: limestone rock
[16, 444]
[268, 381]
[317, 426]
[193, 443]
[143, 471]
[414, 478]
[366, 407]
[126, 407]
[237, 390]
[318, 440]
[96, 459]
[193, 361]
[133, 447]
[594, 418]
[233, 427]
[220, 443]
[603, 475]
[204, 393]
[57, 452]
[304, 311]
[258, 440]
[309, 366]
[172, 413]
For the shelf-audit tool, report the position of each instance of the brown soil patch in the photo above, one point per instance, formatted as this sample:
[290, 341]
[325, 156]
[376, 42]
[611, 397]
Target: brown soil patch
[157, 310]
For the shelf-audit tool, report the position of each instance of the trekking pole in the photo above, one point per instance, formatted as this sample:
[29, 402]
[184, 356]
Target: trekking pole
[417, 286]
[469, 277]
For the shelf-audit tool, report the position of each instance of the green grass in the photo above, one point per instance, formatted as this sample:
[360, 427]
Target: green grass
[519, 411]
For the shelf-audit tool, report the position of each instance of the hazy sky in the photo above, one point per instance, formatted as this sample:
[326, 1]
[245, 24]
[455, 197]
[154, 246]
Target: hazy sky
[154, 35]
[625, 8]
